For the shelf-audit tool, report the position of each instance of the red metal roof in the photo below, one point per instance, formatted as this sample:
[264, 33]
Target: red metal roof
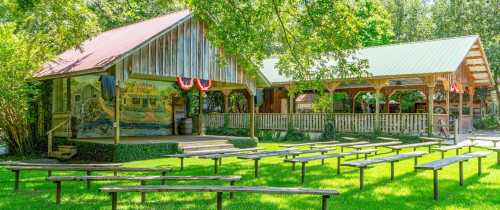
[99, 51]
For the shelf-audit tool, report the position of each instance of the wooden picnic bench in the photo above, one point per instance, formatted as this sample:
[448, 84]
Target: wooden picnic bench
[308, 144]
[219, 190]
[456, 147]
[341, 145]
[293, 152]
[375, 145]
[19, 163]
[387, 138]
[492, 139]
[203, 153]
[17, 171]
[398, 148]
[426, 138]
[339, 156]
[217, 158]
[349, 138]
[363, 164]
[142, 179]
[497, 149]
[437, 165]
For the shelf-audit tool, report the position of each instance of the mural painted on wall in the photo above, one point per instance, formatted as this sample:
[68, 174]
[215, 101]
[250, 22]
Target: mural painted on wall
[145, 107]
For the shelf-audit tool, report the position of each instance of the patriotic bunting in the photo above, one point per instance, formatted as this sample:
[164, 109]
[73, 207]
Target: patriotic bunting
[203, 85]
[185, 83]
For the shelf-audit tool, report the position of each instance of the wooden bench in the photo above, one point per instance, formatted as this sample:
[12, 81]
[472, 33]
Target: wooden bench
[387, 138]
[293, 152]
[363, 164]
[114, 190]
[308, 144]
[350, 138]
[341, 145]
[398, 148]
[19, 163]
[375, 145]
[497, 149]
[203, 153]
[339, 156]
[217, 158]
[17, 171]
[142, 179]
[440, 140]
[492, 139]
[456, 147]
[437, 165]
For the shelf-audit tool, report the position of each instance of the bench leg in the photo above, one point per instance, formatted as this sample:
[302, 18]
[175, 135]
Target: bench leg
[442, 154]
[164, 173]
[49, 173]
[293, 163]
[498, 158]
[414, 149]
[436, 185]
[114, 198]
[361, 178]
[366, 156]
[479, 168]
[143, 194]
[461, 172]
[457, 151]
[415, 164]
[324, 203]
[341, 149]
[16, 182]
[338, 165]
[231, 194]
[88, 181]
[58, 192]
[220, 161]
[303, 174]
[182, 163]
[392, 170]
[397, 152]
[219, 200]
[430, 148]
[216, 164]
[470, 149]
[115, 173]
[323, 160]
[256, 165]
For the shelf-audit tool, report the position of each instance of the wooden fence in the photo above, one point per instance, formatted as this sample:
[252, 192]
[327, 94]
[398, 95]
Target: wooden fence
[412, 124]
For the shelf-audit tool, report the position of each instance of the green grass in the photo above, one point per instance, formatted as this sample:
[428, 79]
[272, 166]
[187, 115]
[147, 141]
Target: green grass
[409, 190]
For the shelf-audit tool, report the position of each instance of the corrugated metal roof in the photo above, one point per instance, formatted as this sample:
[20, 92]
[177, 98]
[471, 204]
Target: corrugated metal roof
[434, 56]
[103, 49]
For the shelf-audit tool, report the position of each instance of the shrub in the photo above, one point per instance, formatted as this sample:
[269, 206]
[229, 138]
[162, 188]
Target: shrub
[295, 135]
[487, 122]
[243, 142]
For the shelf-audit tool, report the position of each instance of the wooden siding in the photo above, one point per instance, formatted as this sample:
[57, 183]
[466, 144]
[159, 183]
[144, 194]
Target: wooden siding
[183, 51]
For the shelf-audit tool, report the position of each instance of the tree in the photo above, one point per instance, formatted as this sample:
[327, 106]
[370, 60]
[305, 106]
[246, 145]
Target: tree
[304, 35]
[32, 32]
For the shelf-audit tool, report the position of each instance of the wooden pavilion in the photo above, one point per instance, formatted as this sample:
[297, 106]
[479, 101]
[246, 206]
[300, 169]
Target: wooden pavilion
[122, 82]
[443, 71]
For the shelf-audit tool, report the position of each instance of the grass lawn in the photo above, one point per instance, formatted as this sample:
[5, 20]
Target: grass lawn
[409, 190]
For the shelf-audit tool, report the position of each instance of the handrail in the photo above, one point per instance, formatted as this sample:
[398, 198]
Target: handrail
[57, 126]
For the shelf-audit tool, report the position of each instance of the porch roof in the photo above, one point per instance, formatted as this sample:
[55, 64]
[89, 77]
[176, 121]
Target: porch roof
[408, 59]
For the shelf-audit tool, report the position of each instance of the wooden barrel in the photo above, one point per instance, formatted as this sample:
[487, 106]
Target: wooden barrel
[186, 126]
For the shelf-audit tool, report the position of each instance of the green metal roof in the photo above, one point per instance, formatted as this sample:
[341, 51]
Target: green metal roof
[424, 57]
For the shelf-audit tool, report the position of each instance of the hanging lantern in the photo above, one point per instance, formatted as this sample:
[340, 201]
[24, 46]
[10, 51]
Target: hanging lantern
[185, 83]
[203, 85]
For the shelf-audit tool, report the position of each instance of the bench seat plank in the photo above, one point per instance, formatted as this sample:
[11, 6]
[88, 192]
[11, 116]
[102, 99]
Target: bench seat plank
[402, 146]
[341, 144]
[375, 144]
[77, 168]
[212, 188]
[364, 163]
[141, 178]
[18, 163]
[438, 164]
[308, 144]
[319, 157]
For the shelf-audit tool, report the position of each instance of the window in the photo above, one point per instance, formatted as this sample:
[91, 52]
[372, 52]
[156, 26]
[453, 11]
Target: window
[136, 101]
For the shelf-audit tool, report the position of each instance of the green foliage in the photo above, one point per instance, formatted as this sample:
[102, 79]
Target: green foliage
[243, 142]
[329, 130]
[296, 135]
[487, 122]
[269, 135]
[304, 35]
[88, 151]
[407, 99]
[228, 131]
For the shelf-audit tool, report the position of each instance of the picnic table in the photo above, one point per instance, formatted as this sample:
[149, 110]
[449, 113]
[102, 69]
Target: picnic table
[203, 153]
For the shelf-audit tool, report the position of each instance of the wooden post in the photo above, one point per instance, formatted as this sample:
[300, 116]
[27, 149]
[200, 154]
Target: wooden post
[143, 194]
[114, 199]
[58, 192]
[377, 84]
[461, 172]
[256, 165]
[116, 124]
[324, 205]
[200, 115]
[361, 178]
[430, 82]
[16, 182]
[338, 165]
[392, 170]
[460, 109]
[226, 94]
[251, 107]
[303, 173]
[219, 200]
[436, 184]
[174, 121]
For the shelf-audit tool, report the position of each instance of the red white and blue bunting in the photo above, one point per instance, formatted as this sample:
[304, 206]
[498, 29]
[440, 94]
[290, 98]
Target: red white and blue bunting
[185, 83]
[203, 85]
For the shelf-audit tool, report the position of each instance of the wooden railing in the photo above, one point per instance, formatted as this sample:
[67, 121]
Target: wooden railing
[412, 124]
[404, 123]
[50, 135]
